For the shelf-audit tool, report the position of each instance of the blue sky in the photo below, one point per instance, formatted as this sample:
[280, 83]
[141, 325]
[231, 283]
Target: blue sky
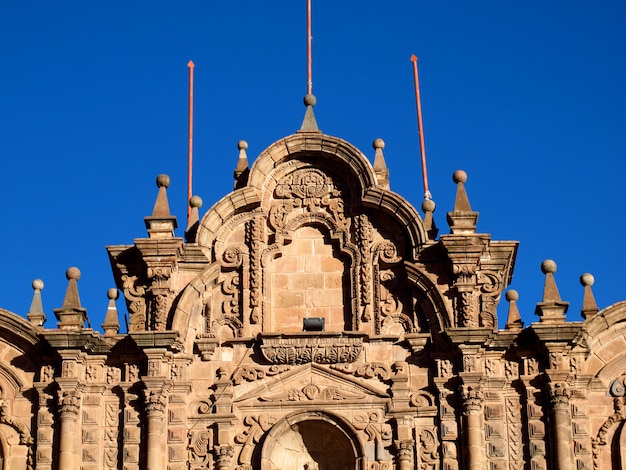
[527, 97]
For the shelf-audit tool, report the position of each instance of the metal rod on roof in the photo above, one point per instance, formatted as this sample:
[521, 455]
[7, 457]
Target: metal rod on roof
[190, 140]
[309, 49]
[420, 127]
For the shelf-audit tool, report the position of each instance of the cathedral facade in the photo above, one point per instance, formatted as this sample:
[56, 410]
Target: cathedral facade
[313, 319]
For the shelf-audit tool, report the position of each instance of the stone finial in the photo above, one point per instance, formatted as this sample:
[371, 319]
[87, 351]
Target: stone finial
[309, 124]
[161, 223]
[590, 308]
[242, 169]
[514, 320]
[380, 166]
[36, 314]
[111, 325]
[551, 309]
[194, 219]
[428, 206]
[71, 316]
[462, 220]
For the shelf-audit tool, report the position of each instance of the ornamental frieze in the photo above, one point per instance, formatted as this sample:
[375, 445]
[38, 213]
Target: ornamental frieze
[312, 392]
[317, 349]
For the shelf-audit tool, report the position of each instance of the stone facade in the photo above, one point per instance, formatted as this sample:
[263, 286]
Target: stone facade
[312, 319]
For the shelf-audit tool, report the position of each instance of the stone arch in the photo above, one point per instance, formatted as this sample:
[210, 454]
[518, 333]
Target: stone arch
[429, 300]
[307, 440]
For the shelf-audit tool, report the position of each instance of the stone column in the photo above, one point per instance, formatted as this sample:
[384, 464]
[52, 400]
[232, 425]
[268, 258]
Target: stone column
[405, 450]
[155, 415]
[472, 410]
[562, 424]
[69, 407]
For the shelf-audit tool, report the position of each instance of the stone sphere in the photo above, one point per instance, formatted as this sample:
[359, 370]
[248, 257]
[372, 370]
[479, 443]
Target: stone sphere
[587, 279]
[163, 181]
[459, 176]
[242, 145]
[113, 293]
[378, 144]
[72, 273]
[37, 284]
[511, 295]
[548, 266]
[428, 205]
[195, 201]
[310, 100]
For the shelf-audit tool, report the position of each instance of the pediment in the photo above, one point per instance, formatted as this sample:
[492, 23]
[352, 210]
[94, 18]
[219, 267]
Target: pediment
[311, 383]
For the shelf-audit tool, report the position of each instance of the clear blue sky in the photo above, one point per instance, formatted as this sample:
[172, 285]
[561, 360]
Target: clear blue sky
[527, 96]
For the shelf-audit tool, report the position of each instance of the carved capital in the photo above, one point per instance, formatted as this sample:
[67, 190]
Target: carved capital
[155, 402]
[560, 395]
[404, 449]
[69, 403]
[472, 400]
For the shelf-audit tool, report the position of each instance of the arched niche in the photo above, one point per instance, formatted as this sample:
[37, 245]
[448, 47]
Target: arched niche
[312, 440]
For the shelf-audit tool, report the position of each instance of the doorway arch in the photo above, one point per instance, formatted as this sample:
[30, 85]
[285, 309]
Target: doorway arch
[311, 441]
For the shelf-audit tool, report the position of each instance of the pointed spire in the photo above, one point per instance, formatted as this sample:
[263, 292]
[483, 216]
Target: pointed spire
[194, 219]
[551, 309]
[242, 169]
[36, 314]
[462, 220]
[71, 316]
[380, 166]
[111, 325]
[514, 320]
[590, 308]
[428, 206]
[309, 124]
[161, 224]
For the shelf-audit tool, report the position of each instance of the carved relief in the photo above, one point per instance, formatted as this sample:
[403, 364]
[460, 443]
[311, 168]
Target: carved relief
[134, 293]
[313, 392]
[364, 237]
[252, 374]
[310, 191]
[254, 240]
[200, 446]
[366, 370]
[155, 402]
[514, 430]
[305, 350]
[374, 427]
[490, 287]
[257, 426]
[428, 449]
[111, 424]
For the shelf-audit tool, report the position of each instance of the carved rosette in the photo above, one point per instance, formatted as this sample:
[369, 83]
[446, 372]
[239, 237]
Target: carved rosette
[321, 350]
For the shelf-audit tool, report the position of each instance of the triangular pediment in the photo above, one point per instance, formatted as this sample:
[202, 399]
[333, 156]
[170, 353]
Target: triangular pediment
[312, 383]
